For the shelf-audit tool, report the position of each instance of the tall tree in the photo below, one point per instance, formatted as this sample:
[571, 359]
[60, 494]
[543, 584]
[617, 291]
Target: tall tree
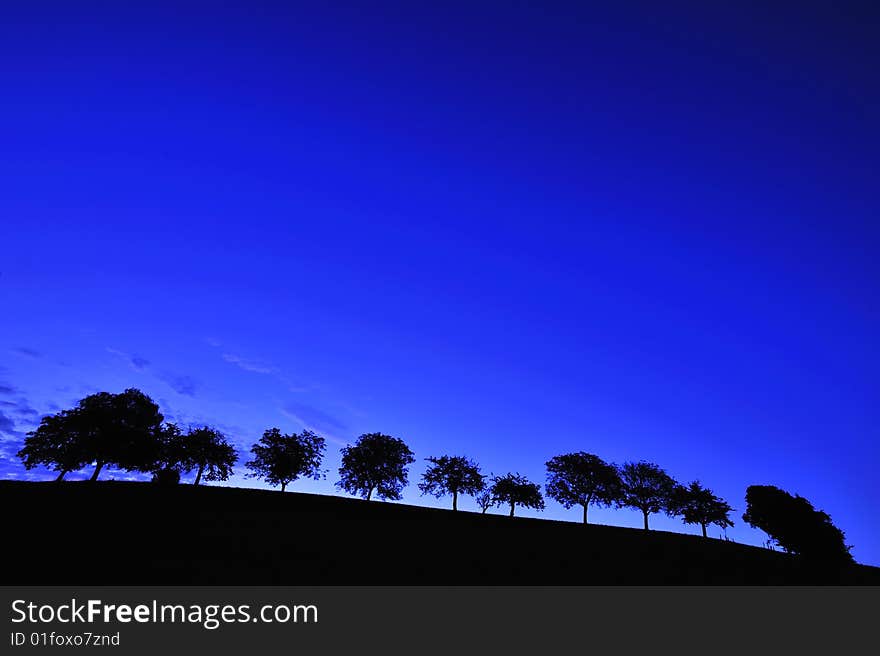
[281, 459]
[582, 479]
[516, 490]
[698, 505]
[375, 463]
[120, 430]
[452, 475]
[794, 524]
[207, 451]
[646, 487]
[56, 444]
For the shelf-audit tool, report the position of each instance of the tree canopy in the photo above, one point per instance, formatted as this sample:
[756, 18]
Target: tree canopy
[698, 505]
[646, 487]
[119, 430]
[794, 524]
[281, 459]
[207, 451]
[56, 444]
[516, 490]
[375, 463]
[582, 479]
[452, 475]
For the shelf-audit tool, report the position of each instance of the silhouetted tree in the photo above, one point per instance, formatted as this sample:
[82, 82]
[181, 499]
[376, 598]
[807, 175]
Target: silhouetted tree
[452, 475]
[170, 454]
[582, 479]
[375, 463]
[281, 459]
[485, 500]
[56, 444]
[698, 505]
[108, 429]
[794, 524]
[646, 487]
[207, 451]
[516, 490]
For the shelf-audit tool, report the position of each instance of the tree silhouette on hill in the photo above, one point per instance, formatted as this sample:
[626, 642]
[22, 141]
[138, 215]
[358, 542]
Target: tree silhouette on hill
[485, 500]
[206, 450]
[698, 505]
[281, 459]
[375, 463]
[119, 430]
[794, 524]
[169, 457]
[452, 475]
[516, 490]
[646, 487]
[582, 479]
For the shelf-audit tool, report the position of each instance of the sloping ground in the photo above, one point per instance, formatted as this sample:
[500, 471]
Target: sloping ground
[140, 533]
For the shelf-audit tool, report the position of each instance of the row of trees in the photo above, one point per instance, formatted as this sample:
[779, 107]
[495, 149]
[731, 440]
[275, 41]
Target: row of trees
[128, 432]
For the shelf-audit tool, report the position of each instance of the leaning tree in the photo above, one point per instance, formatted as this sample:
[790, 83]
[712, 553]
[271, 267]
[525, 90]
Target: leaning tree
[452, 475]
[207, 451]
[280, 459]
[582, 479]
[516, 490]
[375, 463]
[56, 444]
[646, 487]
[794, 524]
[698, 505]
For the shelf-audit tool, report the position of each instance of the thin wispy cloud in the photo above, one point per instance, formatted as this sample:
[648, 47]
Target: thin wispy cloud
[7, 425]
[27, 352]
[316, 420]
[134, 361]
[20, 407]
[7, 390]
[182, 384]
[248, 365]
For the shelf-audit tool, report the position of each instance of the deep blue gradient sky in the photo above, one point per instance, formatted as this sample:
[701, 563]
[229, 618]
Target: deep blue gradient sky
[648, 232]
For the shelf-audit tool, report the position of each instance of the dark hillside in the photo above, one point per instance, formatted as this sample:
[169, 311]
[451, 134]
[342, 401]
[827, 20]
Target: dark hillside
[140, 533]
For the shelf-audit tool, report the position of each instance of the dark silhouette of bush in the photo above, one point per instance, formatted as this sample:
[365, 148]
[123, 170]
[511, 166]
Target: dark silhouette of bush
[698, 505]
[516, 490]
[166, 476]
[206, 450]
[582, 479]
[646, 487]
[794, 524]
[452, 475]
[281, 459]
[119, 430]
[375, 463]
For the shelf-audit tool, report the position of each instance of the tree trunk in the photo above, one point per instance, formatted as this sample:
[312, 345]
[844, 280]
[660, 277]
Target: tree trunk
[199, 475]
[511, 508]
[283, 486]
[484, 511]
[704, 529]
[98, 467]
[585, 513]
[645, 513]
[455, 500]
[369, 493]
[61, 475]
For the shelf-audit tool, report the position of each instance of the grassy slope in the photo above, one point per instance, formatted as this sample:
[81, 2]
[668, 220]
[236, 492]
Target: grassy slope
[139, 533]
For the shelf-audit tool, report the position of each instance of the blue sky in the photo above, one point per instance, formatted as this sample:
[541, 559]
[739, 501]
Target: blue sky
[502, 231]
